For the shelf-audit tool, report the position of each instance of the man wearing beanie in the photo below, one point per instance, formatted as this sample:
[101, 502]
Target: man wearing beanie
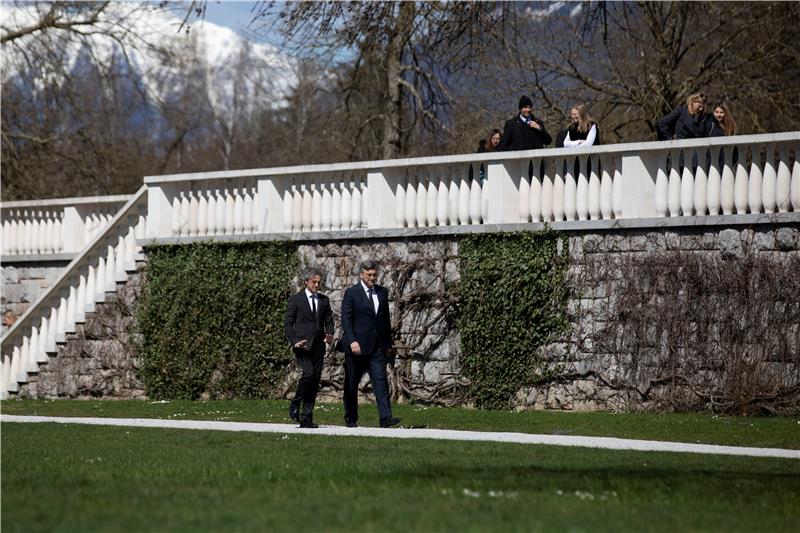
[524, 131]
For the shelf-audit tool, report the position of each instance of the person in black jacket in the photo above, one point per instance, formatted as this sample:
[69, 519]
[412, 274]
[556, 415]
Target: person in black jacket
[524, 131]
[687, 121]
[309, 326]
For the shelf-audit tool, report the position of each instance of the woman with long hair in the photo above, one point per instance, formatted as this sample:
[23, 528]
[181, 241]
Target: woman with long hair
[583, 130]
[723, 123]
[491, 142]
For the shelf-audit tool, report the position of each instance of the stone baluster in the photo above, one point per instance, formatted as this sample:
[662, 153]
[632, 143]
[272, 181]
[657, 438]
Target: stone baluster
[72, 302]
[219, 211]
[175, 217]
[606, 188]
[288, 207]
[700, 201]
[570, 190]
[582, 191]
[91, 289]
[463, 199]
[52, 325]
[5, 376]
[593, 188]
[433, 199]
[755, 181]
[364, 203]
[795, 186]
[202, 212]
[727, 183]
[442, 197]
[410, 206]
[547, 192]
[783, 182]
[661, 199]
[27, 364]
[326, 205]
[186, 214]
[400, 202]
[740, 180]
[230, 207]
[485, 198]
[358, 218]
[714, 183]
[421, 211]
[58, 230]
[475, 201]
[10, 235]
[535, 196]
[617, 189]
[248, 204]
[305, 207]
[238, 210]
[80, 300]
[347, 205]
[674, 184]
[16, 366]
[336, 204]
[194, 212]
[559, 185]
[316, 204]
[524, 196]
[49, 241]
[61, 325]
[687, 184]
[769, 181]
[452, 197]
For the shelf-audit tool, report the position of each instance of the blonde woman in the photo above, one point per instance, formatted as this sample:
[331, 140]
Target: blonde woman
[687, 121]
[583, 130]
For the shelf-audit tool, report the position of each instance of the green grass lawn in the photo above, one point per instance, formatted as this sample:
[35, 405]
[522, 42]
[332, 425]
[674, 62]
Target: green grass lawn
[89, 478]
[775, 432]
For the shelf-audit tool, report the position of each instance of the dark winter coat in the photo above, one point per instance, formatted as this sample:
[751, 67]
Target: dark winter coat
[517, 135]
[679, 124]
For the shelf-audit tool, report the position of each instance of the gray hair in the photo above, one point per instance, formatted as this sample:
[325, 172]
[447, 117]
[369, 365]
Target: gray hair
[368, 265]
[310, 272]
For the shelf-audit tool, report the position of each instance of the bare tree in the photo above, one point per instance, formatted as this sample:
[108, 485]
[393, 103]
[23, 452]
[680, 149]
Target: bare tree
[635, 61]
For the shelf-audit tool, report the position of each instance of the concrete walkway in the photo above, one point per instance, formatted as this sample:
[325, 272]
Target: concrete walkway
[438, 434]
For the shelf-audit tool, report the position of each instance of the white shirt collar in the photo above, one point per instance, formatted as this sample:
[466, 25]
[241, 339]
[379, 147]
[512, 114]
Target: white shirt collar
[308, 294]
[366, 289]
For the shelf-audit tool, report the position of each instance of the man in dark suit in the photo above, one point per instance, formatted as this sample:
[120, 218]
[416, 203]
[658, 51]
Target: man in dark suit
[524, 131]
[366, 343]
[309, 325]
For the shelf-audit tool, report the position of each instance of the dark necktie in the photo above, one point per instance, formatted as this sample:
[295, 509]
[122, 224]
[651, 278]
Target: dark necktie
[371, 301]
[314, 304]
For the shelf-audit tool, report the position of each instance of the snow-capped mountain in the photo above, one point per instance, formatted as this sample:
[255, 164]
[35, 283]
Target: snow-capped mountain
[158, 55]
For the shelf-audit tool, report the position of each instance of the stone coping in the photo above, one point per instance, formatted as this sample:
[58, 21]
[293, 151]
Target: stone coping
[49, 202]
[606, 149]
[38, 258]
[576, 226]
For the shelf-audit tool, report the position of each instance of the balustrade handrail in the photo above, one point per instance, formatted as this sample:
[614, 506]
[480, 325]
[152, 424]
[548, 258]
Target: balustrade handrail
[24, 324]
[621, 148]
[78, 200]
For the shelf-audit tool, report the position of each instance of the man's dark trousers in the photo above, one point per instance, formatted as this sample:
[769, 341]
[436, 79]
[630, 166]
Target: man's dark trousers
[310, 363]
[355, 366]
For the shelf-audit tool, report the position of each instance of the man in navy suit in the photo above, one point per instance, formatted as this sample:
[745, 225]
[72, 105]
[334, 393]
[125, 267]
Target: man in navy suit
[309, 326]
[366, 342]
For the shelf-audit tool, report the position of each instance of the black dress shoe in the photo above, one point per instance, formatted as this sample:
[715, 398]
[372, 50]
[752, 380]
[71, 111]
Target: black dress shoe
[351, 424]
[294, 412]
[389, 421]
[308, 424]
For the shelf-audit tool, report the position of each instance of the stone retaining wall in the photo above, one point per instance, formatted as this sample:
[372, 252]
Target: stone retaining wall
[25, 282]
[595, 368]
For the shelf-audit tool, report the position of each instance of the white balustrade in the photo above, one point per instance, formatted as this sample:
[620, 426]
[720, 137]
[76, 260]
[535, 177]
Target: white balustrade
[102, 264]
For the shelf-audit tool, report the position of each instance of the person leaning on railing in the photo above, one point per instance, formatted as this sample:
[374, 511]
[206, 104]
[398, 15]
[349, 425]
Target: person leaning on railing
[687, 121]
[583, 131]
[524, 131]
[722, 125]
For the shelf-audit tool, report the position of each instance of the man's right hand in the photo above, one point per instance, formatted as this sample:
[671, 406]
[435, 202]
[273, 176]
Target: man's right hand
[300, 344]
[355, 348]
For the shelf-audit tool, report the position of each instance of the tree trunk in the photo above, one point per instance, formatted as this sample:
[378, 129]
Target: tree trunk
[390, 144]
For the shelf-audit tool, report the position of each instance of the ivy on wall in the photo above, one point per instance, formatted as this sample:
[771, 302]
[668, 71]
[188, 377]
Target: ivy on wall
[210, 320]
[512, 300]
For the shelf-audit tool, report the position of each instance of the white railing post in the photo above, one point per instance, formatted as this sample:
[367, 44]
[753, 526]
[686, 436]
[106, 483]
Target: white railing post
[503, 177]
[159, 210]
[72, 229]
[381, 201]
[638, 187]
